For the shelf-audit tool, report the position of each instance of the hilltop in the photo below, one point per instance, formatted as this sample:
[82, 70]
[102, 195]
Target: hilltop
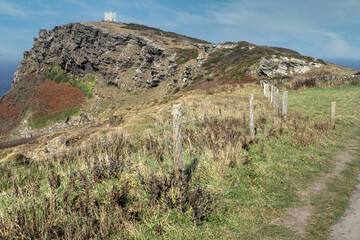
[98, 69]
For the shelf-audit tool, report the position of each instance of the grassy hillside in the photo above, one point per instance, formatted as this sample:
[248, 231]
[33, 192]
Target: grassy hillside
[232, 187]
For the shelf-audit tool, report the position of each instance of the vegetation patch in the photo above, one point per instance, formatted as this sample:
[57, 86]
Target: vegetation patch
[41, 120]
[185, 55]
[55, 73]
[233, 64]
[54, 102]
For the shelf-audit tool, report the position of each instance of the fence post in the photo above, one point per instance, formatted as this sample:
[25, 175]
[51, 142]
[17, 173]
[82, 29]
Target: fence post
[284, 105]
[178, 161]
[265, 87]
[274, 98]
[277, 106]
[272, 94]
[333, 108]
[252, 127]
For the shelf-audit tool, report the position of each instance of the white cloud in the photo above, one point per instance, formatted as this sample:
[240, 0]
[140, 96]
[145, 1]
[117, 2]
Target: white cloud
[295, 25]
[337, 47]
[16, 10]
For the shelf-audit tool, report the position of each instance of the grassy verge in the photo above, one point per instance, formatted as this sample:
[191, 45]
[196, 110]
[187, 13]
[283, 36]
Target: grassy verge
[234, 188]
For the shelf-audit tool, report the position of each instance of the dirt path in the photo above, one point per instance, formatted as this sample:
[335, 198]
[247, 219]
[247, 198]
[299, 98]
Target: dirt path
[299, 217]
[349, 225]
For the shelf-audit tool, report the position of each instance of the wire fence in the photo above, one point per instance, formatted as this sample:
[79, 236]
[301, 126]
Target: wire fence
[48, 157]
[135, 134]
[40, 159]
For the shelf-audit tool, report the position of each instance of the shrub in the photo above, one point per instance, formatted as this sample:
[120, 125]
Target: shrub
[56, 74]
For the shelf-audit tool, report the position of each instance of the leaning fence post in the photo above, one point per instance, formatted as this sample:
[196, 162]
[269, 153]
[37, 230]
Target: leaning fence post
[178, 162]
[252, 127]
[333, 108]
[284, 106]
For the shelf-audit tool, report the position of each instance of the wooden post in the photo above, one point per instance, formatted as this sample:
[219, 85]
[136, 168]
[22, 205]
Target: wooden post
[284, 106]
[178, 161]
[277, 106]
[272, 94]
[265, 87]
[333, 108]
[274, 97]
[252, 127]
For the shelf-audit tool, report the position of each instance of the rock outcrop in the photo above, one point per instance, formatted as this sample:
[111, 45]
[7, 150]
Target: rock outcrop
[282, 66]
[82, 49]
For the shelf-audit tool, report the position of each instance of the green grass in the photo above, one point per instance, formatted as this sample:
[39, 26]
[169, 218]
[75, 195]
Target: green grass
[316, 103]
[43, 120]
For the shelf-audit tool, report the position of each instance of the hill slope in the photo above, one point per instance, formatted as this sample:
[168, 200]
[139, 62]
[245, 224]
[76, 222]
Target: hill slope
[117, 65]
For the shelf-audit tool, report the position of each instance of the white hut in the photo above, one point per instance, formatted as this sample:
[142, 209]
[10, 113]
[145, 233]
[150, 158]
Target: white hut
[110, 16]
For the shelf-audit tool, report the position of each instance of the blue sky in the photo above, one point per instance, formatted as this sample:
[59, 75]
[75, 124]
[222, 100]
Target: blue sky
[327, 29]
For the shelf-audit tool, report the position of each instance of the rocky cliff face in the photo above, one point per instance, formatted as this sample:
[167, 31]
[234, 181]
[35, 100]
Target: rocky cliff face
[81, 49]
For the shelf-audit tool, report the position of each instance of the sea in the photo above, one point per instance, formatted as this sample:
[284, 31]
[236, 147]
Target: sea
[7, 70]
[351, 63]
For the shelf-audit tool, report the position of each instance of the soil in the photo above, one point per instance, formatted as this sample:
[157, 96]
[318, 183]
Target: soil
[298, 218]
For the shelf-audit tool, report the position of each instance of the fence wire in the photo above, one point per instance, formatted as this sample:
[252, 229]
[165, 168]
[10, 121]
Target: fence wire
[111, 141]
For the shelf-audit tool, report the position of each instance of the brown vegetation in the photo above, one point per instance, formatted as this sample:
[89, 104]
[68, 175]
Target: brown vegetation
[53, 97]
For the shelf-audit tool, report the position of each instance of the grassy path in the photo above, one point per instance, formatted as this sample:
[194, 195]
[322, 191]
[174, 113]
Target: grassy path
[322, 202]
[348, 226]
[319, 207]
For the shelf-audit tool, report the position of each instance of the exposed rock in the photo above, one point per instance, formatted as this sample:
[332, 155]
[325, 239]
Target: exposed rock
[282, 66]
[226, 45]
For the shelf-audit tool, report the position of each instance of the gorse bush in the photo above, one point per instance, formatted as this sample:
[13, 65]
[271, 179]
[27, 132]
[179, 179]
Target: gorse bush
[57, 74]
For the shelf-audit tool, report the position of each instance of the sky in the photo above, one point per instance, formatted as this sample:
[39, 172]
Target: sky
[326, 29]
